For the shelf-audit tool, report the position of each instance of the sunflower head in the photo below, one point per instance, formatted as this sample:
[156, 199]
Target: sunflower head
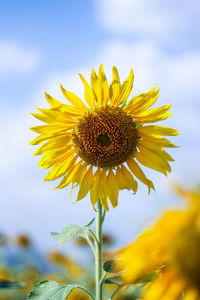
[99, 144]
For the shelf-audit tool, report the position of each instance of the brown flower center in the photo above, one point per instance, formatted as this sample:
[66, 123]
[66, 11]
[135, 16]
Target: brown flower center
[106, 137]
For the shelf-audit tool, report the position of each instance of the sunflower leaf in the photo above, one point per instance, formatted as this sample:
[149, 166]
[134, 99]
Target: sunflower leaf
[51, 290]
[72, 231]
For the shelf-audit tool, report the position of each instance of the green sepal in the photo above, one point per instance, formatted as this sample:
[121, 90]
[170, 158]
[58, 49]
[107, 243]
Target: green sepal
[72, 231]
[113, 280]
[108, 266]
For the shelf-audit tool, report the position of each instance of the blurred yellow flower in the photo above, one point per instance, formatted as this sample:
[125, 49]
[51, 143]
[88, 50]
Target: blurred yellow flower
[171, 248]
[71, 267]
[89, 144]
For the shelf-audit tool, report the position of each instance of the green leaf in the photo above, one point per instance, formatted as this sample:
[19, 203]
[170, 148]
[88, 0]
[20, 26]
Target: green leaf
[55, 235]
[113, 280]
[72, 231]
[90, 223]
[108, 266]
[50, 290]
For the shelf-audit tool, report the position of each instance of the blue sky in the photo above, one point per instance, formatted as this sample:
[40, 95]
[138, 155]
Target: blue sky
[43, 43]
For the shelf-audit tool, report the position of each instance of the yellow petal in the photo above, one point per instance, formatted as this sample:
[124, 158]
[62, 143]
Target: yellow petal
[89, 95]
[112, 188]
[157, 140]
[151, 160]
[120, 179]
[67, 179]
[96, 86]
[52, 128]
[143, 101]
[53, 102]
[129, 180]
[57, 116]
[85, 184]
[52, 158]
[104, 85]
[58, 143]
[71, 110]
[153, 115]
[155, 147]
[137, 171]
[126, 88]
[114, 90]
[42, 138]
[61, 169]
[158, 130]
[96, 187]
[104, 198]
[42, 118]
[73, 99]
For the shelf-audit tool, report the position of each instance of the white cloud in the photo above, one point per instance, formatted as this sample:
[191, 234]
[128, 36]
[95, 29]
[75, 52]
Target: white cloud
[163, 19]
[16, 58]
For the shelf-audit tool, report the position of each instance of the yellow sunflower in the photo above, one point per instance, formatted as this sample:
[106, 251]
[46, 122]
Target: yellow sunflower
[171, 248]
[98, 145]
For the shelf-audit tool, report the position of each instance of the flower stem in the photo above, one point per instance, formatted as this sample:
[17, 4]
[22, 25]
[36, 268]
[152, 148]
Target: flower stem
[98, 262]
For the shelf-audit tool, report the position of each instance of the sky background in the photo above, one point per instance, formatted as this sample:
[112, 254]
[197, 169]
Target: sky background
[44, 43]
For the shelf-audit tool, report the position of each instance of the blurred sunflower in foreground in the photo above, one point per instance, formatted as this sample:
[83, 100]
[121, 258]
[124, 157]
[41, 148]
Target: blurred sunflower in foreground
[170, 250]
[89, 144]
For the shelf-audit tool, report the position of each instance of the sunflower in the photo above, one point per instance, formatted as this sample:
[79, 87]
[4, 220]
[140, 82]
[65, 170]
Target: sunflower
[170, 249]
[98, 145]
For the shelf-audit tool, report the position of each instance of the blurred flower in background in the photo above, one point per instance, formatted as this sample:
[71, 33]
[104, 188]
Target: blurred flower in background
[170, 249]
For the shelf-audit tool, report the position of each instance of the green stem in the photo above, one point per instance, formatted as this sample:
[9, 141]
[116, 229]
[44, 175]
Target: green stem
[87, 292]
[98, 262]
[115, 292]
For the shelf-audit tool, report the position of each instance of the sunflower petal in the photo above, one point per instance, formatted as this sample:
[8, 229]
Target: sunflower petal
[137, 171]
[155, 147]
[158, 130]
[112, 188]
[56, 143]
[55, 115]
[52, 101]
[143, 101]
[153, 115]
[73, 99]
[89, 95]
[114, 90]
[95, 189]
[104, 198]
[151, 160]
[85, 184]
[159, 141]
[59, 170]
[126, 88]
[67, 179]
[96, 86]
[42, 117]
[104, 85]
[129, 180]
